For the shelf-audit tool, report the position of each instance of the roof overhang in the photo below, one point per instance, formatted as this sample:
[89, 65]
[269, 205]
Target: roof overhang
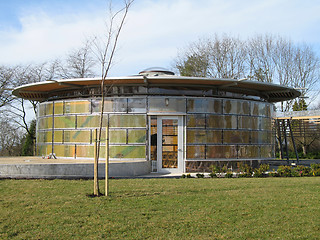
[270, 92]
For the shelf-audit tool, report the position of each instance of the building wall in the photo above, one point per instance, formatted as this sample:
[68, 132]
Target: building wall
[215, 128]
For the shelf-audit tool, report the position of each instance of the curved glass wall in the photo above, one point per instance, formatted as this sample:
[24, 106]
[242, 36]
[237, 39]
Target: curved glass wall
[215, 129]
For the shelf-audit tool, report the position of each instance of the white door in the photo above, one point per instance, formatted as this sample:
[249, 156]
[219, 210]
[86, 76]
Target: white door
[170, 144]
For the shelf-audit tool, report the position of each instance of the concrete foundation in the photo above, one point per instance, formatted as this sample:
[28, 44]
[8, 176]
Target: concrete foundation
[73, 170]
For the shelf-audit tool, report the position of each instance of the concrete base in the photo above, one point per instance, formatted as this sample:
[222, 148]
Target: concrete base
[73, 170]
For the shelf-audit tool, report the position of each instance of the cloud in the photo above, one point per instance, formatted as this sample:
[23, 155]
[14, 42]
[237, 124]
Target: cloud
[156, 29]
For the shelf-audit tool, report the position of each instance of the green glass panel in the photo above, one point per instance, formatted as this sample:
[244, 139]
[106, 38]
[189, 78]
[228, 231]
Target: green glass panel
[196, 121]
[42, 109]
[43, 150]
[44, 137]
[221, 152]
[236, 136]
[58, 135]
[65, 122]
[136, 136]
[77, 107]
[58, 108]
[77, 136]
[118, 136]
[196, 152]
[127, 120]
[64, 150]
[91, 121]
[45, 123]
[123, 152]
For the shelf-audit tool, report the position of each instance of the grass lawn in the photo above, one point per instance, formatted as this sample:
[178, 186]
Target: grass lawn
[246, 208]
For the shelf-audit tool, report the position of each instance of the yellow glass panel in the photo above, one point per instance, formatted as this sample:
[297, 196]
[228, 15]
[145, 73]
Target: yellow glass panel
[122, 152]
[221, 152]
[45, 123]
[196, 152]
[214, 136]
[255, 108]
[91, 121]
[64, 150]
[118, 136]
[42, 109]
[58, 108]
[196, 136]
[127, 121]
[65, 122]
[231, 107]
[77, 136]
[197, 120]
[215, 121]
[136, 136]
[49, 108]
[247, 122]
[77, 107]
[86, 151]
[58, 136]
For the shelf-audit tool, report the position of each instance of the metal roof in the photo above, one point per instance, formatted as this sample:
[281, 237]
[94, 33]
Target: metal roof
[270, 92]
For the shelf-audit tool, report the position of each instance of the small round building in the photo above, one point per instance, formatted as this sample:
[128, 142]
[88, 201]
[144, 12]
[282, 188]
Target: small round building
[175, 124]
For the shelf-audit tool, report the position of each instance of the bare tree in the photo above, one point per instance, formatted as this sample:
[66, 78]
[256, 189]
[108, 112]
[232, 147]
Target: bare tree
[105, 52]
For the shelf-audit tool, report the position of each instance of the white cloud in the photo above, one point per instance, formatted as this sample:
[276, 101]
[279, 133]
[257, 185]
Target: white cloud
[156, 29]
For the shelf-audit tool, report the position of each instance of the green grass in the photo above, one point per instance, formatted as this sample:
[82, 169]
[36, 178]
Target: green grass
[268, 208]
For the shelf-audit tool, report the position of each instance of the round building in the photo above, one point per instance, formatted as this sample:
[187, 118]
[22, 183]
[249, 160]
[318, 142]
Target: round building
[175, 124]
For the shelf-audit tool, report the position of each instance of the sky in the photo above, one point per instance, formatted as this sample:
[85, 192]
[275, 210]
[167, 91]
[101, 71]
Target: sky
[35, 31]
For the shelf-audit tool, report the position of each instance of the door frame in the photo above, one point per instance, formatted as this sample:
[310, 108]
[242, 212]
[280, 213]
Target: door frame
[180, 168]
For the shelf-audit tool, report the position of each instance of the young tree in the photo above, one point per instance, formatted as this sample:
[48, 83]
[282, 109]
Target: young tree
[105, 52]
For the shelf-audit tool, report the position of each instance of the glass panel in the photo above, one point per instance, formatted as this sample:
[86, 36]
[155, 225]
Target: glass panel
[65, 122]
[196, 121]
[49, 108]
[58, 136]
[87, 151]
[231, 107]
[246, 122]
[255, 108]
[91, 121]
[262, 109]
[58, 108]
[203, 136]
[153, 140]
[249, 152]
[42, 109]
[77, 107]
[75, 136]
[137, 105]
[245, 108]
[266, 151]
[221, 152]
[64, 150]
[136, 136]
[44, 150]
[266, 123]
[127, 152]
[236, 136]
[215, 121]
[169, 143]
[44, 137]
[118, 136]
[110, 105]
[167, 105]
[127, 121]
[196, 152]
[45, 123]
[204, 105]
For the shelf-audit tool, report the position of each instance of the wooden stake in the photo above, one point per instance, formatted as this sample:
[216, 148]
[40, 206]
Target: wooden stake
[107, 160]
[95, 166]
